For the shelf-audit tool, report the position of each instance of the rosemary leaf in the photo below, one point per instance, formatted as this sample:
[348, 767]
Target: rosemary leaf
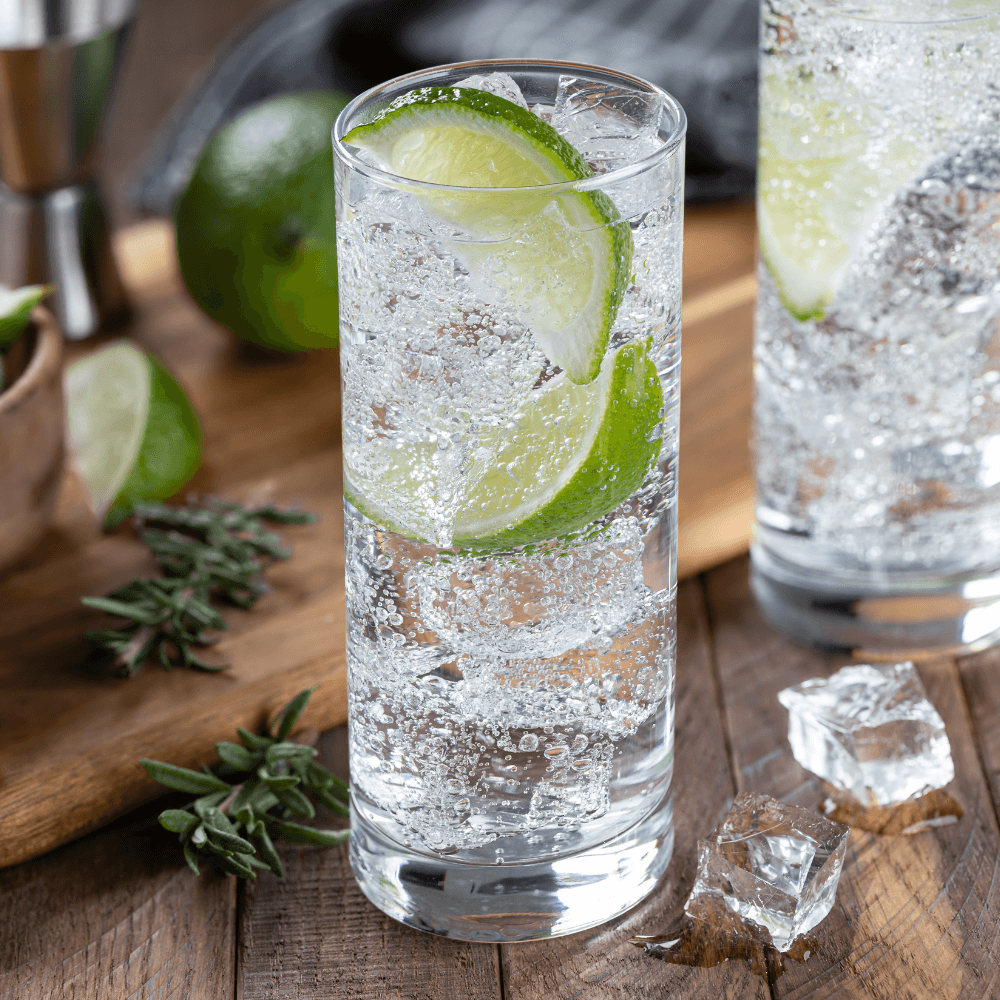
[267, 850]
[177, 821]
[235, 756]
[191, 856]
[291, 712]
[208, 552]
[209, 826]
[252, 741]
[297, 834]
[183, 779]
[277, 782]
[294, 800]
[327, 801]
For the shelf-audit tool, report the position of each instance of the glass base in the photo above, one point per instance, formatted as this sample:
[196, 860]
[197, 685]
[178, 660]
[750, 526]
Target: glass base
[886, 618]
[515, 901]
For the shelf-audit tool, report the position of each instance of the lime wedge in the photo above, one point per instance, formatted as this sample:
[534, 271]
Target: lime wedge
[575, 453]
[15, 309]
[133, 431]
[561, 260]
[826, 167]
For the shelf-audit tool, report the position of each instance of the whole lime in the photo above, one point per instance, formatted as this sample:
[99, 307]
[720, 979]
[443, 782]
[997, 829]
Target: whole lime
[255, 226]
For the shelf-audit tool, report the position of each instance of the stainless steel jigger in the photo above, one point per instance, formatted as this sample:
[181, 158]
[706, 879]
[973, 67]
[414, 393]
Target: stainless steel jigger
[58, 60]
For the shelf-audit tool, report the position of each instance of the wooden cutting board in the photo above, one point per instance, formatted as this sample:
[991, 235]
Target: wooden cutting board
[70, 741]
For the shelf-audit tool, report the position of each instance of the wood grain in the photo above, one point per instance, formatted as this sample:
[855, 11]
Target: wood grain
[314, 936]
[115, 916]
[915, 916]
[605, 962]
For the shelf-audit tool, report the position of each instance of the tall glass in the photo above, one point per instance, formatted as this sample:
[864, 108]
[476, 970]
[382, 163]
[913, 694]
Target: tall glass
[877, 361]
[511, 673]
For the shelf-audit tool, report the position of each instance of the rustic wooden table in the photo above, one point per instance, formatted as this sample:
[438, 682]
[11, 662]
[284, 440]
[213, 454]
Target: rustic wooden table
[116, 915]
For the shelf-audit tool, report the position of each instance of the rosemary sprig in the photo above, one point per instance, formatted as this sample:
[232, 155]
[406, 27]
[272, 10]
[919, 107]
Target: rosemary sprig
[235, 823]
[212, 550]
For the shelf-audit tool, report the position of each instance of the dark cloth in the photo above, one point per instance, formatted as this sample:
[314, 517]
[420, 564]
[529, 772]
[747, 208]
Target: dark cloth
[704, 52]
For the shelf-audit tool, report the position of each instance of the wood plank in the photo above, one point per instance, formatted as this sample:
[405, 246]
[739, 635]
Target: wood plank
[715, 485]
[915, 916]
[980, 675]
[116, 916]
[604, 962]
[312, 935]
[720, 243]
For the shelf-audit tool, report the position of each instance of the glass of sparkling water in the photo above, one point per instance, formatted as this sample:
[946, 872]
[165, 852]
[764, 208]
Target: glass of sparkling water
[877, 361]
[509, 248]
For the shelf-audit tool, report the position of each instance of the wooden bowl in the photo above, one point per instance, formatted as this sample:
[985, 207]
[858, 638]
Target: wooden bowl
[31, 439]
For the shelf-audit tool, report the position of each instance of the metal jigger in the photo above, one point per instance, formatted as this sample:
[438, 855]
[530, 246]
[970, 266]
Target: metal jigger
[58, 61]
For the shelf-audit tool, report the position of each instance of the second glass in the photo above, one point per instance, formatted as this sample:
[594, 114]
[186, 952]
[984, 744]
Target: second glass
[510, 367]
[877, 358]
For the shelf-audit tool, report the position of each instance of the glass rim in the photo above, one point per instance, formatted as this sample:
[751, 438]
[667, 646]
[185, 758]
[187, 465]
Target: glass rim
[596, 182]
[900, 12]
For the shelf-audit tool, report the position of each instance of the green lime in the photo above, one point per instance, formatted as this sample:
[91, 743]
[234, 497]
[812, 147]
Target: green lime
[575, 453]
[255, 226]
[821, 183]
[562, 260]
[133, 431]
[15, 309]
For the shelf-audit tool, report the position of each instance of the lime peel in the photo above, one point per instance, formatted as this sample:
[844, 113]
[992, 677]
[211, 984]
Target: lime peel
[133, 431]
[577, 468]
[15, 310]
[575, 454]
[568, 268]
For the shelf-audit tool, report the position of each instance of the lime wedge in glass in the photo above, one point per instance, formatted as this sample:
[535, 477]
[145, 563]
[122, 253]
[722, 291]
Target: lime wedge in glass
[574, 453]
[561, 259]
[133, 432]
[825, 169]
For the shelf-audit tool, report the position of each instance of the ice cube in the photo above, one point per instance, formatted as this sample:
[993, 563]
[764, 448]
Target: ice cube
[773, 863]
[501, 84]
[870, 730]
[610, 126]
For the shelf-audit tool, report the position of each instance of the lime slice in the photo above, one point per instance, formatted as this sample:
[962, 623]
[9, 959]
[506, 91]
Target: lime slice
[575, 453]
[562, 261]
[15, 309]
[825, 169]
[133, 431]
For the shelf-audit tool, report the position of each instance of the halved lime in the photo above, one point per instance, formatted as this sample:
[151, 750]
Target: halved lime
[15, 309]
[574, 453]
[134, 434]
[826, 166]
[563, 261]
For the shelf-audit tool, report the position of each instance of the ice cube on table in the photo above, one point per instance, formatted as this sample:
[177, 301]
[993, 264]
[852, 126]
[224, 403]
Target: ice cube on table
[610, 126]
[870, 730]
[772, 863]
[500, 84]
